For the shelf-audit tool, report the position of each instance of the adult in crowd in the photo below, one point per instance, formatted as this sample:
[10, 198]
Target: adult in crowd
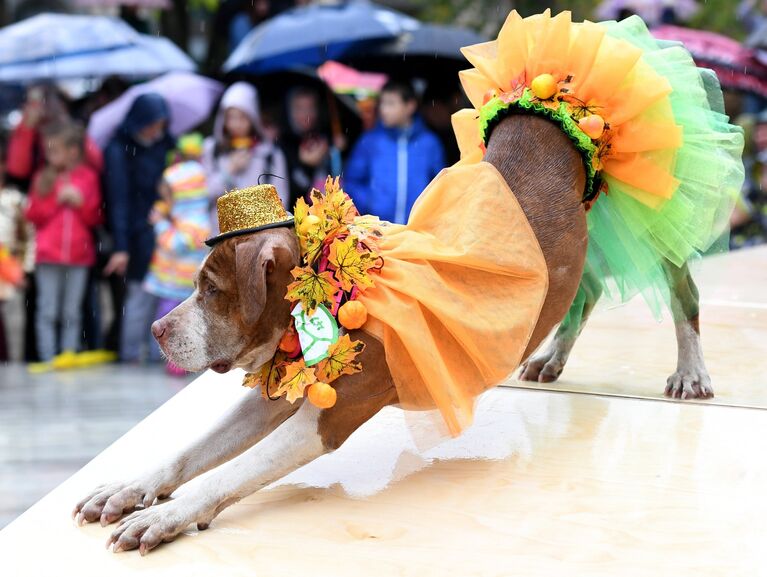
[307, 143]
[44, 106]
[135, 160]
[239, 153]
[392, 164]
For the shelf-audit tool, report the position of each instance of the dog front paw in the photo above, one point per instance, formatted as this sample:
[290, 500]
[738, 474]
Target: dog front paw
[689, 383]
[146, 529]
[107, 503]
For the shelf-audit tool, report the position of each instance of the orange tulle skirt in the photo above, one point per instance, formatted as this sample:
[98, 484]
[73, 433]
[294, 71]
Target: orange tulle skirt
[459, 294]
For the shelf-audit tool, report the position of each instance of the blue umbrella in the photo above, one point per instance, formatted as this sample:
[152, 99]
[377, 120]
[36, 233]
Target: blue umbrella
[48, 36]
[146, 56]
[311, 35]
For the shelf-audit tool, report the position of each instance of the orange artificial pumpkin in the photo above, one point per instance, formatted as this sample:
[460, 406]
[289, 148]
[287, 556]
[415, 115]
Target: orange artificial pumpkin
[352, 315]
[593, 125]
[322, 395]
[289, 342]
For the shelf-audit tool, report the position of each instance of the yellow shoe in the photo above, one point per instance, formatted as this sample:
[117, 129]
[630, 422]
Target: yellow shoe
[39, 368]
[64, 361]
[97, 357]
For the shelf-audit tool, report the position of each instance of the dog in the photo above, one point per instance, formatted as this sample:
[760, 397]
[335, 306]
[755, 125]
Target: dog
[237, 314]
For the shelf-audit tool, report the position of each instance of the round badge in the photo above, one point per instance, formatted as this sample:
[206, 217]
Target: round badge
[316, 333]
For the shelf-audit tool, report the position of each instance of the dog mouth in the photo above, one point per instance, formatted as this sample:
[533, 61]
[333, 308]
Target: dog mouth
[221, 366]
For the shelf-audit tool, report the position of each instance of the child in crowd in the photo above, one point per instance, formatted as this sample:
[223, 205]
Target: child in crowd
[391, 164]
[65, 208]
[182, 224]
[13, 236]
[239, 152]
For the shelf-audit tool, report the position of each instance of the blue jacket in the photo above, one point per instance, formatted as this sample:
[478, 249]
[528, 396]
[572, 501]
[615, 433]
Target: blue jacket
[389, 168]
[132, 175]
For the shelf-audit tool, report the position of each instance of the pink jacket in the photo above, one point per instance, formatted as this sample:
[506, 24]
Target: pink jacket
[65, 233]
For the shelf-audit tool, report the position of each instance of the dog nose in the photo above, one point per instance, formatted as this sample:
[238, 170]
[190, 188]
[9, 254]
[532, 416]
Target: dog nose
[158, 330]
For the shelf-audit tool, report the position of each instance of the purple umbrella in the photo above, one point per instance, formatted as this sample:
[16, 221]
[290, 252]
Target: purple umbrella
[190, 97]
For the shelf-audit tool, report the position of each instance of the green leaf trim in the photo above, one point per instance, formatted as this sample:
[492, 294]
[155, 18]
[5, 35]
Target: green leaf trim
[496, 110]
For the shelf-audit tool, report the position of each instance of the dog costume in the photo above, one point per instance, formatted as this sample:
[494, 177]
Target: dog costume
[454, 306]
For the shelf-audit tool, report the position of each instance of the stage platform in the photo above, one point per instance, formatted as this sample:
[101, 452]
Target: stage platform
[594, 476]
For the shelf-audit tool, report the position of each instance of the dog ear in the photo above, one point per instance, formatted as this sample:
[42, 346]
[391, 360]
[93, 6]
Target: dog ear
[254, 261]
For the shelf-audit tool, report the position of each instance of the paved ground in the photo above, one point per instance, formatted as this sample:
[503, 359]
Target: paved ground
[51, 425]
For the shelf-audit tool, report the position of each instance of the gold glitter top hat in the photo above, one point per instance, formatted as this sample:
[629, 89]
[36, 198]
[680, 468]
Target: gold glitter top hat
[249, 210]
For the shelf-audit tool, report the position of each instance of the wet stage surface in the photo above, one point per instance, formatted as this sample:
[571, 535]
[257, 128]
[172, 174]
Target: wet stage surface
[52, 424]
[547, 482]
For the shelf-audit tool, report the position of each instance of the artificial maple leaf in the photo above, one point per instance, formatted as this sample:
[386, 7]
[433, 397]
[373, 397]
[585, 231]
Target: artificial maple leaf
[339, 208]
[300, 212]
[351, 264]
[269, 375]
[312, 243]
[368, 229]
[341, 359]
[251, 380]
[311, 288]
[297, 377]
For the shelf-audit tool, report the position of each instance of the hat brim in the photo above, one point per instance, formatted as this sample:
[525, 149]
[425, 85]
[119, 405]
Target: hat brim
[216, 239]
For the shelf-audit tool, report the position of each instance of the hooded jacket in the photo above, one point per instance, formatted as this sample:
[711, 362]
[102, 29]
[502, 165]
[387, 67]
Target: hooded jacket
[390, 167]
[266, 157]
[132, 173]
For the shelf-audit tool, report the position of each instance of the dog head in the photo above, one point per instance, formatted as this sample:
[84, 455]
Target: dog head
[238, 312]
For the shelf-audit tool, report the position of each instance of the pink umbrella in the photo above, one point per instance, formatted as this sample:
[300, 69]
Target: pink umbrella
[734, 64]
[190, 97]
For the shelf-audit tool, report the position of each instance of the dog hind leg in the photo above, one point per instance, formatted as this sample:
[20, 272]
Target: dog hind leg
[546, 365]
[691, 379]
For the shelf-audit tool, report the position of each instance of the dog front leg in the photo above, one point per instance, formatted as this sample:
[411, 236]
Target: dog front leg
[546, 365]
[293, 444]
[250, 421]
[691, 379]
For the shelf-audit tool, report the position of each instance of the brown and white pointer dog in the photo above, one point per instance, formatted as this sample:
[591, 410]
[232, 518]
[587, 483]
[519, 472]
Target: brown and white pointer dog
[238, 313]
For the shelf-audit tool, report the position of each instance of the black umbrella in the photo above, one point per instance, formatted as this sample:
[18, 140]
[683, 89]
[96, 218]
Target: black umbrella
[429, 50]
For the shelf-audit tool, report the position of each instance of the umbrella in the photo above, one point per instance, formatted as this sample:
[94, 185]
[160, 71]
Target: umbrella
[49, 36]
[651, 11]
[735, 65]
[162, 4]
[312, 34]
[60, 46]
[191, 99]
[429, 40]
[346, 80]
[429, 51]
[147, 56]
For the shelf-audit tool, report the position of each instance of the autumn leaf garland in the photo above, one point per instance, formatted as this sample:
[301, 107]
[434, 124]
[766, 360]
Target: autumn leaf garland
[338, 250]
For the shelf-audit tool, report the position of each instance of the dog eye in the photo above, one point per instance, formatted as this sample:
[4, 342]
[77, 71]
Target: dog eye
[210, 289]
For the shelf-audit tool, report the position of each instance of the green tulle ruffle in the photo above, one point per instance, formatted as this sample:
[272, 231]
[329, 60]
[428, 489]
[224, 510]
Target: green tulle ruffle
[628, 240]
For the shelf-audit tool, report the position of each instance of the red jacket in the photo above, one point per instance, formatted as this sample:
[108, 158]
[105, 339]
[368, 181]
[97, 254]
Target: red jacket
[26, 154]
[65, 233]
